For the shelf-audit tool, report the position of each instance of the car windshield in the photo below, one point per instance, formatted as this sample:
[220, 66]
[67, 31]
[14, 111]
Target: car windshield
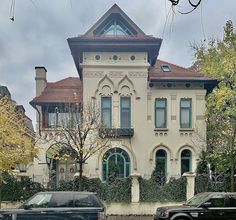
[197, 200]
[40, 200]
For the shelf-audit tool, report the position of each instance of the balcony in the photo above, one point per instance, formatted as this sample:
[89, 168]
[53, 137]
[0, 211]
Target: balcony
[116, 132]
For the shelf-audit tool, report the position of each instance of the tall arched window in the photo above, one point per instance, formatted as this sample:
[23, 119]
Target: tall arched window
[115, 163]
[186, 161]
[161, 162]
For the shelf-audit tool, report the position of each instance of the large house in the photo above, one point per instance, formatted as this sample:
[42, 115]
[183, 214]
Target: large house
[156, 107]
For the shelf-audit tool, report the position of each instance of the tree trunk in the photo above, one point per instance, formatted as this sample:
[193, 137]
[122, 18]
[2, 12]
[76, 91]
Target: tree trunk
[81, 175]
[232, 177]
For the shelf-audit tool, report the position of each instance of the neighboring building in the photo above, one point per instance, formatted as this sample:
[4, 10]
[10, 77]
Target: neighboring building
[21, 169]
[156, 107]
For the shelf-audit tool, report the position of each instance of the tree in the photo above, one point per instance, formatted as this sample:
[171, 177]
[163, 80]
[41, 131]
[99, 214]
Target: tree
[217, 58]
[80, 135]
[16, 143]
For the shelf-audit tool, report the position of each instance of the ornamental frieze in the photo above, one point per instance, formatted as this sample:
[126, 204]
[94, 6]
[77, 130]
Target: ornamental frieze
[137, 74]
[116, 74]
[93, 74]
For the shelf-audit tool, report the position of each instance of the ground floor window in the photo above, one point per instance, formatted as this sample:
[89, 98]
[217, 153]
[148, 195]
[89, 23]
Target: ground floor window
[115, 164]
[161, 159]
[186, 161]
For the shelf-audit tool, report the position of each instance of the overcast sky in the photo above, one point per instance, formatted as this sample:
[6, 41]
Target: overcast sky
[38, 35]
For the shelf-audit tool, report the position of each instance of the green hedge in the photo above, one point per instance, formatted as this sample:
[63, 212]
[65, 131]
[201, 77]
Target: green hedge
[173, 191]
[118, 190]
[15, 190]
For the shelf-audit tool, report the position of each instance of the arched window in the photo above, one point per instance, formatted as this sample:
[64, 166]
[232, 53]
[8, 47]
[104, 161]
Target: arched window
[61, 169]
[186, 161]
[115, 163]
[161, 162]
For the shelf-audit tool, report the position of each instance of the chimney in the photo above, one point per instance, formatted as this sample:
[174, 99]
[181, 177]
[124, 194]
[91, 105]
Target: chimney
[40, 79]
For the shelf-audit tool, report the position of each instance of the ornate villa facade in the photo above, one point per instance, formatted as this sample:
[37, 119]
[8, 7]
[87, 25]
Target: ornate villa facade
[156, 107]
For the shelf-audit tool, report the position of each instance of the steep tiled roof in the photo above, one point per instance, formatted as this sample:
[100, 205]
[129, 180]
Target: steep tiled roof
[176, 72]
[67, 90]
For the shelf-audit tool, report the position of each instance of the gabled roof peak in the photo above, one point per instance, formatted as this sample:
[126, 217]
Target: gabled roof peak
[117, 13]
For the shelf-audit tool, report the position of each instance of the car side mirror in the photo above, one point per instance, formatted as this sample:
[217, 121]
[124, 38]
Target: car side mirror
[206, 204]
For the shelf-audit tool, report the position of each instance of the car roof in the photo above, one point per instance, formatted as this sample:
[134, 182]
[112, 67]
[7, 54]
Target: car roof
[66, 192]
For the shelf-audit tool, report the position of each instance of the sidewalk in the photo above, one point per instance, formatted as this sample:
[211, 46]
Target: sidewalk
[130, 217]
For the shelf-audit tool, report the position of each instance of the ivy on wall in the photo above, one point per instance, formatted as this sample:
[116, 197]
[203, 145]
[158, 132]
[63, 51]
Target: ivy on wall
[173, 191]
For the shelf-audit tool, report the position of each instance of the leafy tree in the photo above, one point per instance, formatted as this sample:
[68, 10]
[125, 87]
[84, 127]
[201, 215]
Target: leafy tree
[80, 135]
[217, 58]
[16, 143]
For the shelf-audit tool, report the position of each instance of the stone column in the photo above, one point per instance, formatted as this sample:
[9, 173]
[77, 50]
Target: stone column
[190, 188]
[135, 189]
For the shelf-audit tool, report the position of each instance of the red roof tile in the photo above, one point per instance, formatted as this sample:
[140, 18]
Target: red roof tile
[176, 72]
[67, 90]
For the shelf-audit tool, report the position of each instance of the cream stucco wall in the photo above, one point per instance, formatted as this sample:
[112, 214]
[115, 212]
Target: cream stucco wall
[126, 77]
[106, 77]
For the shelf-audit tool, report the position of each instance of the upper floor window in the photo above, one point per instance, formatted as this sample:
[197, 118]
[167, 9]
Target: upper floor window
[60, 116]
[106, 111]
[125, 112]
[161, 113]
[185, 113]
[115, 27]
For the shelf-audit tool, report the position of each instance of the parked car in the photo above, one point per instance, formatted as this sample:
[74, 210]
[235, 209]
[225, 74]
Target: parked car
[58, 206]
[203, 206]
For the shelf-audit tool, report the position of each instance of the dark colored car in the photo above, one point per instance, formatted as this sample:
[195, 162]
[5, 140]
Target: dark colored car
[203, 206]
[58, 206]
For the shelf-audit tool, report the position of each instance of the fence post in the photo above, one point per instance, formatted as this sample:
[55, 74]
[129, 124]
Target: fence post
[190, 187]
[135, 190]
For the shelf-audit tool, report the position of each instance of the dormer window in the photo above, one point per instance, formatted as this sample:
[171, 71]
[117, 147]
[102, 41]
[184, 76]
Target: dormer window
[165, 68]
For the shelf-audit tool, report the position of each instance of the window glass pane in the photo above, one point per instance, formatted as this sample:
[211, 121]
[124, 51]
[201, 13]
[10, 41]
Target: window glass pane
[161, 161]
[185, 118]
[161, 103]
[51, 119]
[185, 103]
[160, 118]
[217, 202]
[116, 164]
[62, 200]
[106, 102]
[125, 112]
[186, 153]
[86, 201]
[185, 165]
[125, 120]
[40, 200]
[125, 102]
[106, 111]
[232, 200]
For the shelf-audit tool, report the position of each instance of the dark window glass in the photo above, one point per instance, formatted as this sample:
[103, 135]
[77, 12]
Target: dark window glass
[116, 164]
[125, 112]
[217, 201]
[185, 113]
[106, 111]
[161, 162]
[186, 160]
[62, 200]
[232, 200]
[40, 200]
[160, 113]
[86, 201]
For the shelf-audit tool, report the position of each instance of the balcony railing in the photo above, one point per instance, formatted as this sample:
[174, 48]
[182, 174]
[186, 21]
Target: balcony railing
[116, 132]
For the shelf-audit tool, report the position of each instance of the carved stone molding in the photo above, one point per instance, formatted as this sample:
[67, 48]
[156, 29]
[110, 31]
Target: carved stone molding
[116, 74]
[93, 74]
[137, 74]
